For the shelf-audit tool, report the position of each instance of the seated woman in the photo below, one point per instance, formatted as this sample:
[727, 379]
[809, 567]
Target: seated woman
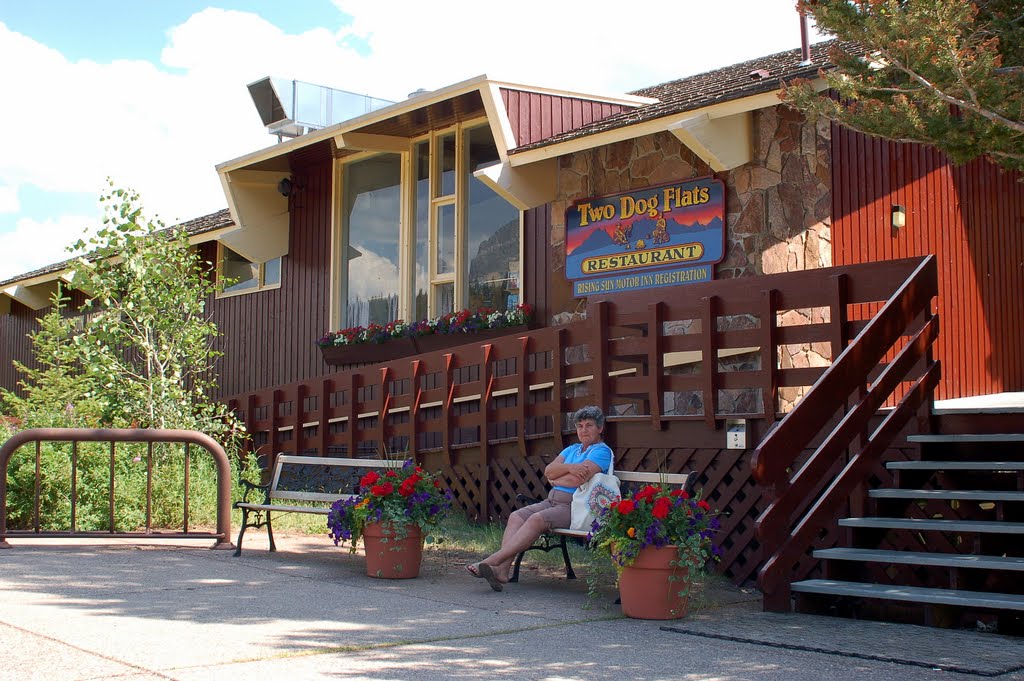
[574, 466]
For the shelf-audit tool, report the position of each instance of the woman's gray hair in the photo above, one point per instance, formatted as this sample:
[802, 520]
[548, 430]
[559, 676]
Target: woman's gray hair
[589, 413]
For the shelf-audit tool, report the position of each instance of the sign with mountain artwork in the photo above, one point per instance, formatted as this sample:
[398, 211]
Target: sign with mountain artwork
[662, 236]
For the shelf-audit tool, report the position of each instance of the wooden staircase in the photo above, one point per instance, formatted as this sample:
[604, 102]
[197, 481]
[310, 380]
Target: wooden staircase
[961, 511]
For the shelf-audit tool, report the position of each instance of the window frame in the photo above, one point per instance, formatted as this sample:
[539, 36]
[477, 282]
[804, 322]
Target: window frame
[261, 284]
[459, 278]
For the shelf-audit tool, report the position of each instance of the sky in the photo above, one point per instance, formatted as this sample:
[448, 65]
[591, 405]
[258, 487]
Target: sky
[153, 94]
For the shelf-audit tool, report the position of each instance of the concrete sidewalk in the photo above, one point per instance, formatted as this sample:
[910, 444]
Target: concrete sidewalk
[120, 610]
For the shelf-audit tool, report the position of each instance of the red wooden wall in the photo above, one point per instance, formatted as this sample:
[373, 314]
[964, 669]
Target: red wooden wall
[972, 218]
[269, 337]
[535, 116]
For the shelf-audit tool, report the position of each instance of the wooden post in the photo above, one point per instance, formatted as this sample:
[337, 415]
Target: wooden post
[769, 354]
[709, 333]
[656, 363]
[598, 315]
[523, 391]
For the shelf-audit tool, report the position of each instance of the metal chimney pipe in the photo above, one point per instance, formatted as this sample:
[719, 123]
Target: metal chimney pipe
[805, 45]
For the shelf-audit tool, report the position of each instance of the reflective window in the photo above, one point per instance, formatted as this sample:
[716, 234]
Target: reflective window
[370, 254]
[492, 231]
[421, 273]
[237, 274]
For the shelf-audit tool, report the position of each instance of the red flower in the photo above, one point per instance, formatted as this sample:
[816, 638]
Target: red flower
[661, 508]
[646, 493]
[680, 493]
[704, 505]
[391, 474]
[408, 486]
[382, 490]
[626, 506]
[369, 479]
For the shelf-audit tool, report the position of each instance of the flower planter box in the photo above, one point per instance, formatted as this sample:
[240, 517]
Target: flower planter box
[444, 341]
[368, 353]
[397, 348]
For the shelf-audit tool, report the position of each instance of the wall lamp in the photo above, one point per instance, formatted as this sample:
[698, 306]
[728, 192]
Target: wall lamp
[285, 187]
[899, 217]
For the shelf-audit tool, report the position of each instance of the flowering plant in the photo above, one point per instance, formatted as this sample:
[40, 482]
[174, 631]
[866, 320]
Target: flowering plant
[656, 516]
[464, 321]
[399, 496]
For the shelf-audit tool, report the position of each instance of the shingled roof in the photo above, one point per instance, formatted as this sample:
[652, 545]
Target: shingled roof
[194, 227]
[757, 76]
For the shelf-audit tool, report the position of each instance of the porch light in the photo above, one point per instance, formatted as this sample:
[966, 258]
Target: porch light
[899, 217]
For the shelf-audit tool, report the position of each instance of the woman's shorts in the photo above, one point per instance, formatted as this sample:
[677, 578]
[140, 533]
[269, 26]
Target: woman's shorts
[556, 509]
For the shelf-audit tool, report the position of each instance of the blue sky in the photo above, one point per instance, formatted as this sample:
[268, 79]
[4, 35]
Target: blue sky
[152, 94]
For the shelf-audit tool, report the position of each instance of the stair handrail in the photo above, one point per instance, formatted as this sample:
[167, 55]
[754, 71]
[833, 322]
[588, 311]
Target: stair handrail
[777, 453]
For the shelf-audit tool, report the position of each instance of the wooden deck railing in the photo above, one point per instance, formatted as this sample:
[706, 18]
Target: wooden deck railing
[903, 330]
[705, 353]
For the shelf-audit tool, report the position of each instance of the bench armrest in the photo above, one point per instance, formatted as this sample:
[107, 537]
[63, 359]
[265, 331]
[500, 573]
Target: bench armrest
[249, 487]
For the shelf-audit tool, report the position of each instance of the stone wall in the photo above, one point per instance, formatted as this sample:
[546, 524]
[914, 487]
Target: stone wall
[778, 210]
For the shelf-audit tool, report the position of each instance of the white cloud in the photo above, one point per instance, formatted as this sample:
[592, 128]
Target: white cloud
[161, 128]
[32, 245]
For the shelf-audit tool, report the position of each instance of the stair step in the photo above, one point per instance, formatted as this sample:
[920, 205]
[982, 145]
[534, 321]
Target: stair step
[917, 594]
[959, 495]
[923, 558]
[968, 437]
[922, 524]
[955, 465]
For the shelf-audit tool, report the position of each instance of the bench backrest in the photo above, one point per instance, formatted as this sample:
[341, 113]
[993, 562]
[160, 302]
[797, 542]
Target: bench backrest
[684, 480]
[319, 478]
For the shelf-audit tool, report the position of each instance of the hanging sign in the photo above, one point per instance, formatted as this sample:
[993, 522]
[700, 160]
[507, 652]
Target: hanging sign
[661, 236]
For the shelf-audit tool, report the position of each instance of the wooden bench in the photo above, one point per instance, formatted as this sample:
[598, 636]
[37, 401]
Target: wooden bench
[556, 538]
[303, 479]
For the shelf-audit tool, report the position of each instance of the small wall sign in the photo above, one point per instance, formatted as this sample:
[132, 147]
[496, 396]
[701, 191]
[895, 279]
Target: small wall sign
[660, 236]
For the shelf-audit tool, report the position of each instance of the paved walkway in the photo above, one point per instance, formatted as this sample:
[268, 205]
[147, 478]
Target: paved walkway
[117, 610]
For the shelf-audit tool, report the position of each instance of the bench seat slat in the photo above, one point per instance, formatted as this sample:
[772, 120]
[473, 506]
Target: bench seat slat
[281, 508]
[308, 496]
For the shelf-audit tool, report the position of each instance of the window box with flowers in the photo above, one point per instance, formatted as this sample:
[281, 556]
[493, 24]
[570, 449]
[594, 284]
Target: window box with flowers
[393, 514]
[380, 343]
[658, 539]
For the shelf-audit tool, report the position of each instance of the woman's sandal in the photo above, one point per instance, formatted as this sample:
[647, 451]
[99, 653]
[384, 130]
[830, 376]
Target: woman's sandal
[487, 572]
[474, 569]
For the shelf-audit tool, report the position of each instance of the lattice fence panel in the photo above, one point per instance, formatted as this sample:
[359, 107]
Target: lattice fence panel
[511, 477]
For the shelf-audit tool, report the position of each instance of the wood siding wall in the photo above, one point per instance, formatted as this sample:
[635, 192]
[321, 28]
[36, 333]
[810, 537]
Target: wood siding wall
[269, 337]
[537, 261]
[535, 116]
[14, 343]
[972, 218]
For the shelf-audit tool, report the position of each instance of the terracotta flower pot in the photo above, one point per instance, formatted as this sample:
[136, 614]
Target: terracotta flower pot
[649, 588]
[391, 557]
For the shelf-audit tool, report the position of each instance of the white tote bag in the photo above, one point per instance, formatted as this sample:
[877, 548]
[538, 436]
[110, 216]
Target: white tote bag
[601, 491]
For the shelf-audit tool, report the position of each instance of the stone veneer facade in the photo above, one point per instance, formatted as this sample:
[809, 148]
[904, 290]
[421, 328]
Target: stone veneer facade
[778, 216]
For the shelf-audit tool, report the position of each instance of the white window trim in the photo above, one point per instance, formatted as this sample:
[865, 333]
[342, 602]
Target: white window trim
[260, 286]
[407, 246]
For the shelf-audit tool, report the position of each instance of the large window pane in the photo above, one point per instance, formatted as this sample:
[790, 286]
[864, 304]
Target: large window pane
[446, 239]
[445, 294]
[272, 272]
[239, 273]
[493, 231]
[421, 276]
[371, 222]
[446, 165]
